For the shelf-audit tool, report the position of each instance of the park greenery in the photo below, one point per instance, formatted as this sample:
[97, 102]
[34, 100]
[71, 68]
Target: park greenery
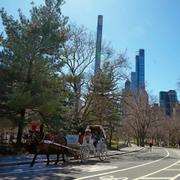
[46, 75]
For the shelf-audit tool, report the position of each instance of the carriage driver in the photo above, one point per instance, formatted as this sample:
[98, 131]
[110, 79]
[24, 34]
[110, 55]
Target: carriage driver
[87, 136]
[88, 139]
[40, 135]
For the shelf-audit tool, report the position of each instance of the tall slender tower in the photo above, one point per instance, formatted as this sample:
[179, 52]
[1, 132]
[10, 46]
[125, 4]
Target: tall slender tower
[140, 70]
[138, 77]
[98, 43]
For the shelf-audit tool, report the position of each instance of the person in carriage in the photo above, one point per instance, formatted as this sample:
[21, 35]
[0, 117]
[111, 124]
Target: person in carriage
[89, 140]
[99, 136]
[94, 137]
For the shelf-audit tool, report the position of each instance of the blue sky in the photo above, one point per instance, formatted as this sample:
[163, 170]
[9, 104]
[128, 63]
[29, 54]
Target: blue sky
[131, 24]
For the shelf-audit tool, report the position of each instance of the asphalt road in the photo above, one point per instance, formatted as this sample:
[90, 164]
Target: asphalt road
[159, 164]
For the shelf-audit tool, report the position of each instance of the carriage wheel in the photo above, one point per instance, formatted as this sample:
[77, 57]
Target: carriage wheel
[84, 154]
[103, 152]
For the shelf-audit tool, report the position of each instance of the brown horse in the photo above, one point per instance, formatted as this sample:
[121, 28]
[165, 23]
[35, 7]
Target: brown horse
[38, 146]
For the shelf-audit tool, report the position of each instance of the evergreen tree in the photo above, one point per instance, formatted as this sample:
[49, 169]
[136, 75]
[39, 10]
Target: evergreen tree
[105, 108]
[29, 60]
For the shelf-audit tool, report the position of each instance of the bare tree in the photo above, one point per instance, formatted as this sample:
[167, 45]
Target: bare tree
[156, 132]
[139, 116]
[77, 54]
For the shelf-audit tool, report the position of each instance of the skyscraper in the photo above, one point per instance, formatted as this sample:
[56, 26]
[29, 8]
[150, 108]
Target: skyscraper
[168, 101]
[138, 77]
[164, 102]
[98, 43]
[140, 70]
[133, 82]
[127, 87]
[172, 99]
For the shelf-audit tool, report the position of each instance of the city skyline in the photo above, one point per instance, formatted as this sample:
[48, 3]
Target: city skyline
[138, 25]
[131, 25]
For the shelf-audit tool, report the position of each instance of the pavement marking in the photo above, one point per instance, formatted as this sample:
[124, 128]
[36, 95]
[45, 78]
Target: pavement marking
[172, 170]
[155, 172]
[93, 168]
[151, 178]
[175, 177]
[125, 169]
[112, 178]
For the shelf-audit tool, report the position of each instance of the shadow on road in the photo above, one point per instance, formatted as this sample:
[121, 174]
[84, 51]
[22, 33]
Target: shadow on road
[42, 171]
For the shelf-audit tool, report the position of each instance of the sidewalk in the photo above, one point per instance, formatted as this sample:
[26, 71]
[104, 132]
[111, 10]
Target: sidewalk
[26, 159]
[125, 150]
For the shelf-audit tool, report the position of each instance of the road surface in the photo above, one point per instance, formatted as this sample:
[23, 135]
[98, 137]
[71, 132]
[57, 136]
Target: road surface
[160, 163]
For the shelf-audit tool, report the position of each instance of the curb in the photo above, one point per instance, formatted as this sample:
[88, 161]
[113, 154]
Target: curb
[43, 161]
[127, 152]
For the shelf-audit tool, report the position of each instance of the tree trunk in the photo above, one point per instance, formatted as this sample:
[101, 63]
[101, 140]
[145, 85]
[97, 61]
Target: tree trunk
[137, 139]
[142, 141]
[20, 128]
[110, 137]
[77, 91]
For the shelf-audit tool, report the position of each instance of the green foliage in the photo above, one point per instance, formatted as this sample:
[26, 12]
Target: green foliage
[19, 100]
[43, 67]
[30, 60]
[105, 100]
[105, 107]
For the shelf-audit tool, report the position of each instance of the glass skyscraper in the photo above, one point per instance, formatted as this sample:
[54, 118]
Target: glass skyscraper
[168, 101]
[140, 70]
[138, 77]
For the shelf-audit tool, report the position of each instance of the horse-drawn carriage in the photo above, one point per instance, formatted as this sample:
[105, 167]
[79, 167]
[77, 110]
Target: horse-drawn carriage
[97, 144]
[91, 142]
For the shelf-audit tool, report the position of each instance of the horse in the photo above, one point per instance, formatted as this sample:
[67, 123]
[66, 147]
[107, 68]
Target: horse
[36, 145]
